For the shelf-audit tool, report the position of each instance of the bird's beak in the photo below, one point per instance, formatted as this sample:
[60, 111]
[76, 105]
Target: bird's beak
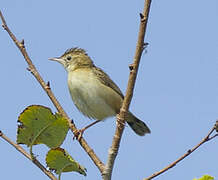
[57, 59]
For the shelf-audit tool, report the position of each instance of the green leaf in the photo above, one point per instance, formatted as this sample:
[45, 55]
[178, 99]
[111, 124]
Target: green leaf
[60, 161]
[205, 177]
[39, 126]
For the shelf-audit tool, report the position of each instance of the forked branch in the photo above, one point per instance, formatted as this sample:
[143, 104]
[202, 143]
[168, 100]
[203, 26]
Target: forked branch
[129, 93]
[207, 138]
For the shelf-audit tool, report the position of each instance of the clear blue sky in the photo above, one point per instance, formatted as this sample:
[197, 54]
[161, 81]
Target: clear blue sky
[175, 93]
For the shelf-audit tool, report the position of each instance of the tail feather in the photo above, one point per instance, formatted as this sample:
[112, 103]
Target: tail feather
[138, 126]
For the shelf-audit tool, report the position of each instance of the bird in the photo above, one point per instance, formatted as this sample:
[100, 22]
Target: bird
[93, 92]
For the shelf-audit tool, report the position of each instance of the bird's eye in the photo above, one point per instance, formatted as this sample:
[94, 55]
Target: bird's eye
[69, 58]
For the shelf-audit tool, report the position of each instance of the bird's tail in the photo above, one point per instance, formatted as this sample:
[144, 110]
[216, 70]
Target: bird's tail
[138, 126]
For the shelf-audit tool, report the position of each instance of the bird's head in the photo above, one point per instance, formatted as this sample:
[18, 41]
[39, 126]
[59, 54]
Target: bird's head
[73, 59]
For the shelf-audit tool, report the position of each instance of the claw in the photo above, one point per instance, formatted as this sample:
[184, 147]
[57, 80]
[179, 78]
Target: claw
[78, 134]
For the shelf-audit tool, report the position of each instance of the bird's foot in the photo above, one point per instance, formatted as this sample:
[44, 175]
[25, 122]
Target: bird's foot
[78, 134]
[120, 121]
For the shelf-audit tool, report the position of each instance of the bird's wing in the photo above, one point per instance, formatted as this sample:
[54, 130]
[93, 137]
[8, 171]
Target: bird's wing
[106, 80]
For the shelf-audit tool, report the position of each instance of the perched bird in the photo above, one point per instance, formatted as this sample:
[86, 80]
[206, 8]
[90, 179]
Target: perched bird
[92, 90]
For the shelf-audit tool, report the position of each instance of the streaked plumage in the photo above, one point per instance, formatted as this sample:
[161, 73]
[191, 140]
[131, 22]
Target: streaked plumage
[92, 90]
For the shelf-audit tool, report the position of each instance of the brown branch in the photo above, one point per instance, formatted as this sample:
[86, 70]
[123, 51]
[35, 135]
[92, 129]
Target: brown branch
[129, 93]
[47, 89]
[22, 151]
[204, 140]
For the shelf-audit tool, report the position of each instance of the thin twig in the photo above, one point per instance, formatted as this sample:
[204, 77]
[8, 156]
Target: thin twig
[46, 87]
[204, 140]
[129, 93]
[22, 151]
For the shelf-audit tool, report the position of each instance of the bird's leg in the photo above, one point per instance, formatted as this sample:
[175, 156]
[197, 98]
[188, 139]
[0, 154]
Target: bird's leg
[79, 132]
[119, 120]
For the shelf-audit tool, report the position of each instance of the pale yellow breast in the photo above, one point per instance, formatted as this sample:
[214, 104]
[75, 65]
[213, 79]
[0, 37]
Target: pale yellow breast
[91, 97]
